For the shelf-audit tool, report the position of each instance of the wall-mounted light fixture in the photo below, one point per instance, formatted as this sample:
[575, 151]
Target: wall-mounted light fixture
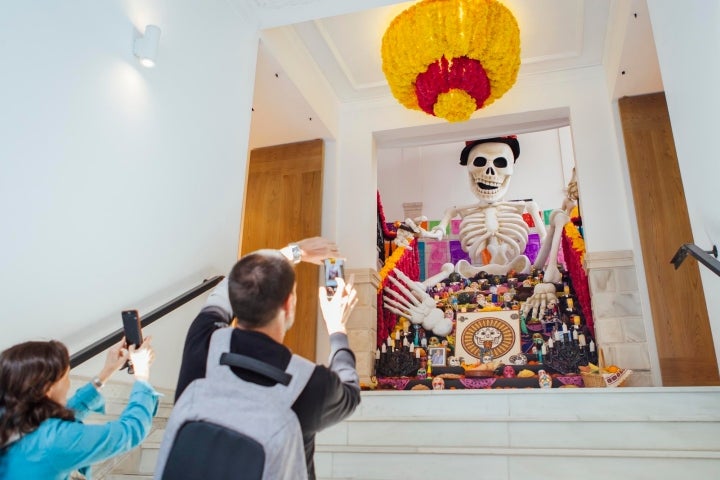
[145, 48]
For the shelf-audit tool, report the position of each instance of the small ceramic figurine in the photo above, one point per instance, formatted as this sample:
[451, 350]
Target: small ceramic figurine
[438, 383]
[454, 361]
[544, 379]
[508, 371]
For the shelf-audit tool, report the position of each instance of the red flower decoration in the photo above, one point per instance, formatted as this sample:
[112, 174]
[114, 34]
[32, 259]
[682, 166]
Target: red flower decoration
[461, 73]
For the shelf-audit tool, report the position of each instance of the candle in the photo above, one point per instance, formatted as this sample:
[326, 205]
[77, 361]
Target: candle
[550, 343]
[564, 328]
[581, 340]
[383, 348]
[412, 347]
[397, 334]
[575, 334]
[377, 354]
[417, 353]
[592, 346]
[576, 319]
[423, 342]
[566, 289]
[570, 303]
[389, 342]
[405, 342]
[544, 349]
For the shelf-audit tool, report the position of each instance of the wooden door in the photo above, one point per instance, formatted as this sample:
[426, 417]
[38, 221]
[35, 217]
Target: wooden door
[283, 203]
[677, 300]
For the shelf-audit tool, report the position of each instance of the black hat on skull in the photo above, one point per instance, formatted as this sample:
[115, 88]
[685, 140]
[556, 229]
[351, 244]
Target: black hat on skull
[511, 141]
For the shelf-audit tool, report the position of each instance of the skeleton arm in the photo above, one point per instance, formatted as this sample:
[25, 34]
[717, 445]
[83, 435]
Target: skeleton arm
[450, 213]
[412, 302]
[439, 230]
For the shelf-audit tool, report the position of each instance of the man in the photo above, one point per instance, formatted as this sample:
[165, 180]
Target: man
[260, 294]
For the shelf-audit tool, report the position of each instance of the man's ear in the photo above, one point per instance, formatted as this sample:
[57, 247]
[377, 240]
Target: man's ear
[289, 304]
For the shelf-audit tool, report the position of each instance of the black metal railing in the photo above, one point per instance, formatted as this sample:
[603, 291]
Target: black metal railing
[106, 342]
[706, 257]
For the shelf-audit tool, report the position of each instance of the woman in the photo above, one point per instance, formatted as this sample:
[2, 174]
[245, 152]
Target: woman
[41, 432]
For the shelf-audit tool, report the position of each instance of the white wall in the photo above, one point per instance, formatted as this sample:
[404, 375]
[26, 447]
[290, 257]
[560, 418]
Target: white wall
[433, 175]
[690, 66]
[120, 186]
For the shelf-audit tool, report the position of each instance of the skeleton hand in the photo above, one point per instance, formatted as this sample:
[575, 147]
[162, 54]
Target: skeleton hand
[412, 302]
[543, 294]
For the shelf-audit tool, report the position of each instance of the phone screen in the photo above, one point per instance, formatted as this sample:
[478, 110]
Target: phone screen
[131, 325]
[334, 268]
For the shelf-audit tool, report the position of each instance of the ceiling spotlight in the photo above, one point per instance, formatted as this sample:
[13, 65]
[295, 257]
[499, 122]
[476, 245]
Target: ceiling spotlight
[145, 48]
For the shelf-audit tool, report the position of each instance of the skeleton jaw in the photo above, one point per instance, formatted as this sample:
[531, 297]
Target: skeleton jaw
[489, 188]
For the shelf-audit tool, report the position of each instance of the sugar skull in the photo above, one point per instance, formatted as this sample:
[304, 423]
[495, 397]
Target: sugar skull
[508, 371]
[438, 383]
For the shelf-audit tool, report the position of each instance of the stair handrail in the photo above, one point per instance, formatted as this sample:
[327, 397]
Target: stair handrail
[109, 340]
[706, 257]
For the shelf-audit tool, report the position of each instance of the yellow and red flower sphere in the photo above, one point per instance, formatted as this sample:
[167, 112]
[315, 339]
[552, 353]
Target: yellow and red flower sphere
[449, 58]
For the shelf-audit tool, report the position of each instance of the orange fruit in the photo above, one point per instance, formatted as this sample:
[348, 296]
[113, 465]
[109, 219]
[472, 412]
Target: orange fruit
[612, 369]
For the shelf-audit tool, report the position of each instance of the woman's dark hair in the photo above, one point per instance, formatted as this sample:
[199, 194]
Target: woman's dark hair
[258, 285]
[27, 371]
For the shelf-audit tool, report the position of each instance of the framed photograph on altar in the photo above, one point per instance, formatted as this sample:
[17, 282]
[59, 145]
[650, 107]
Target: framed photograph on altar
[437, 356]
[500, 330]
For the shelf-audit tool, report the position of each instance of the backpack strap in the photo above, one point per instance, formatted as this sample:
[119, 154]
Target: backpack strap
[257, 366]
[291, 382]
[301, 369]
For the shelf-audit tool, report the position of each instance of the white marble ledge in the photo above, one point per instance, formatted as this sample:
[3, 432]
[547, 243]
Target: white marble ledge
[624, 404]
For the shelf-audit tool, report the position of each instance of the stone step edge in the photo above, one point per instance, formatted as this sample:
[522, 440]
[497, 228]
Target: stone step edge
[515, 451]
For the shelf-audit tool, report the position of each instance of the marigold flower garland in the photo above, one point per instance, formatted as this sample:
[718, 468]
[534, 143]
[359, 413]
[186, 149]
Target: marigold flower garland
[451, 57]
[574, 251]
[407, 260]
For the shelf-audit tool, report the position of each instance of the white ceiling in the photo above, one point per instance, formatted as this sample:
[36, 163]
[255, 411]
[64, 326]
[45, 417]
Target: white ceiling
[555, 35]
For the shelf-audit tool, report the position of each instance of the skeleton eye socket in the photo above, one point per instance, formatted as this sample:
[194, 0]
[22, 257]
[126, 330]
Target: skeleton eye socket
[479, 161]
[500, 162]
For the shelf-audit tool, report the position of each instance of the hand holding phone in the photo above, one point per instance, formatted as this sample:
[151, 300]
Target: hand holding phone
[133, 332]
[334, 268]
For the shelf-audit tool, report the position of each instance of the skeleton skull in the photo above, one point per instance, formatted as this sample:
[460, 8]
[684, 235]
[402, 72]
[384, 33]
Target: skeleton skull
[490, 167]
[488, 333]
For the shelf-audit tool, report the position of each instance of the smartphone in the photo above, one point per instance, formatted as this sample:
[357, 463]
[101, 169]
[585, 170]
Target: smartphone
[133, 333]
[131, 325]
[334, 268]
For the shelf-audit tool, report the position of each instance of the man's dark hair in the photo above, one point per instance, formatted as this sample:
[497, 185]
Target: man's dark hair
[258, 285]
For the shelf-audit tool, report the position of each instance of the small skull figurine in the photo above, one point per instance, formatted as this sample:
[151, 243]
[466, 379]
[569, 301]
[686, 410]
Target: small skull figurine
[438, 383]
[454, 361]
[508, 371]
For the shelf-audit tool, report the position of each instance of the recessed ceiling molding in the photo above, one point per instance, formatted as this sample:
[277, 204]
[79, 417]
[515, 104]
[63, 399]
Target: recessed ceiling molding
[499, 125]
[341, 63]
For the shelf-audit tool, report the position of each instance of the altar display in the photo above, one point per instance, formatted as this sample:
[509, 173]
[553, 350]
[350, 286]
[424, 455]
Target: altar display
[506, 319]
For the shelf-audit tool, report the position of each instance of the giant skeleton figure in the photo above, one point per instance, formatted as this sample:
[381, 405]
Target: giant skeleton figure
[497, 227]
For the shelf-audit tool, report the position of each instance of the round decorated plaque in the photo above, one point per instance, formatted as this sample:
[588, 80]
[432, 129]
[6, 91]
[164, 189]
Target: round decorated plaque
[488, 330]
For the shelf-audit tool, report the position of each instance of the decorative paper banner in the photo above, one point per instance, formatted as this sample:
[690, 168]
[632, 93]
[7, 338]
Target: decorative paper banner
[436, 253]
[457, 253]
[421, 256]
[533, 247]
[455, 226]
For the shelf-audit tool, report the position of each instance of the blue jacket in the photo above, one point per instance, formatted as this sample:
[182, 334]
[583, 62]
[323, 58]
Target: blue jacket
[59, 447]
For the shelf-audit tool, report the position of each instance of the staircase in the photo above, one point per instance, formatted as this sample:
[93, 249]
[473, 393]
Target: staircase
[139, 463]
[559, 434]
